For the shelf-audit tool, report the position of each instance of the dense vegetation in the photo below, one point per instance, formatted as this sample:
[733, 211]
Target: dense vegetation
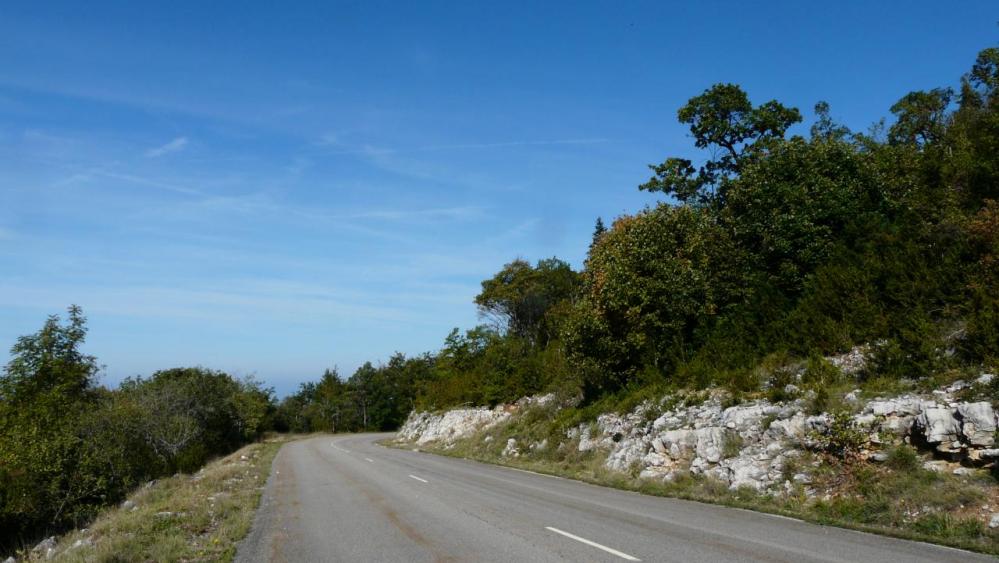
[774, 246]
[69, 447]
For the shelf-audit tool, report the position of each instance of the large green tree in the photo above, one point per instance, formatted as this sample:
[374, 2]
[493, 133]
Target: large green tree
[723, 120]
[524, 299]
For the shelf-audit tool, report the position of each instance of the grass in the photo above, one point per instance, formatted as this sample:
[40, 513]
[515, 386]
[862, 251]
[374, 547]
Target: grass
[898, 498]
[197, 517]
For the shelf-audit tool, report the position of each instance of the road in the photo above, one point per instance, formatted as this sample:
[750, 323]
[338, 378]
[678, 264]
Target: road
[345, 498]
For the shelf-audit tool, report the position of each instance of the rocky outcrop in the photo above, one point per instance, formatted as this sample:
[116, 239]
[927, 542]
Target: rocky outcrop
[747, 445]
[750, 444]
[447, 427]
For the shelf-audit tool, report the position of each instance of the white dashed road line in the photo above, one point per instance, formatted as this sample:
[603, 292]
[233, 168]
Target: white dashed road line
[610, 550]
[369, 460]
[418, 479]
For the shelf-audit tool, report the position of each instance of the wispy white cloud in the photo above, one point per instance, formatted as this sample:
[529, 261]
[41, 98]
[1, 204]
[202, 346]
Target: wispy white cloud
[508, 144]
[329, 139]
[456, 213]
[371, 151]
[142, 181]
[517, 231]
[173, 146]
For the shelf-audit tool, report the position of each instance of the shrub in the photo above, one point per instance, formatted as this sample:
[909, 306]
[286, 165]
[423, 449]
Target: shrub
[903, 458]
[842, 439]
[820, 372]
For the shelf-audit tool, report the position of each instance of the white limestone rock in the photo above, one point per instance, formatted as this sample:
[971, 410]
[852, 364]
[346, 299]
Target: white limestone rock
[741, 417]
[747, 473]
[793, 428]
[710, 443]
[448, 427]
[900, 406]
[937, 466]
[510, 450]
[938, 426]
[978, 423]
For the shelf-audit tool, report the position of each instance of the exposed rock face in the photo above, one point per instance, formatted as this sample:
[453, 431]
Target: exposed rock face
[747, 445]
[447, 427]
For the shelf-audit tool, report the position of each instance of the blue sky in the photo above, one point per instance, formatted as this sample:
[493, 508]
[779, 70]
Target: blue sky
[275, 189]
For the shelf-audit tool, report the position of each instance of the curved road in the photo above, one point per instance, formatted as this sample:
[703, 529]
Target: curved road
[345, 498]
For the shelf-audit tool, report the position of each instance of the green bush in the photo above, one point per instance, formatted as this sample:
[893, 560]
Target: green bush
[903, 458]
[842, 439]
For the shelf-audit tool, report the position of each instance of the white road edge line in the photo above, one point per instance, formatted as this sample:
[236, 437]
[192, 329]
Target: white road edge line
[418, 479]
[610, 550]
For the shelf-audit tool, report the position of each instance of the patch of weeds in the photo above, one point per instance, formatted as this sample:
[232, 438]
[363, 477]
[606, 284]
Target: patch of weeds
[779, 383]
[820, 372]
[882, 385]
[731, 444]
[819, 402]
[943, 525]
[903, 458]
[694, 398]
[732, 399]
[767, 420]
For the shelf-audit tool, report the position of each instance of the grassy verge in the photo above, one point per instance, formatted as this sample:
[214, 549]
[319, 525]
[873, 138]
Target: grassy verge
[198, 517]
[898, 499]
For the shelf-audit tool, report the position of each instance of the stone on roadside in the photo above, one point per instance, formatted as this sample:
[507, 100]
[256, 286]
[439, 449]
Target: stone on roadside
[511, 448]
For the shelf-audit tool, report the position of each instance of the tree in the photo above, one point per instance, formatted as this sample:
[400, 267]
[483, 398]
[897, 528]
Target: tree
[825, 128]
[50, 362]
[363, 386]
[598, 231]
[920, 117]
[332, 399]
[521, 298]
[792, 207]
[648, 287]
[972, 166]
[45, 391]
[724, 120]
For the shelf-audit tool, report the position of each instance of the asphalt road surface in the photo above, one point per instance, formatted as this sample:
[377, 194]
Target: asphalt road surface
[345, 498]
